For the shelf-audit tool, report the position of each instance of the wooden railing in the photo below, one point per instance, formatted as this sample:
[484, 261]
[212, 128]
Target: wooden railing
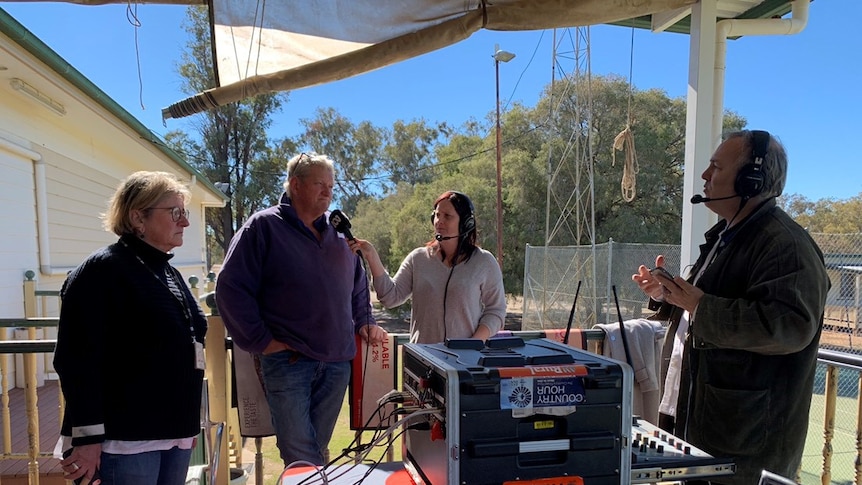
[218, 376]
[835, 362]
[30, 350]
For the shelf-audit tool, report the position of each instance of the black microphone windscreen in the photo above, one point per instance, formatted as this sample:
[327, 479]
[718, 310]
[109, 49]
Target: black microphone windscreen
[340, 223]
[698, 199]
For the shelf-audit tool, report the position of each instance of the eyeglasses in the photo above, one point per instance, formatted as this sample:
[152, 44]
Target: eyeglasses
[176, 212]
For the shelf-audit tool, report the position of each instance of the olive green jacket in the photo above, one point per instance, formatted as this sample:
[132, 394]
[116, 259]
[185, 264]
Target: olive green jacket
[751, 352]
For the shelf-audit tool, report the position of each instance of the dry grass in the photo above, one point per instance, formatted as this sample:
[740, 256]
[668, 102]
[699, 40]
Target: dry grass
[342, 437]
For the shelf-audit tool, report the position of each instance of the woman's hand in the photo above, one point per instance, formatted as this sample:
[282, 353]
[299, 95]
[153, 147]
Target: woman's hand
[357, 245]
[369, 253]
[83, 462]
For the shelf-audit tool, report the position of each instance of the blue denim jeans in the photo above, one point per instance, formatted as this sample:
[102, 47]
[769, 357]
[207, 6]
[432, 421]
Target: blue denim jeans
[304, 397]
[167, 467]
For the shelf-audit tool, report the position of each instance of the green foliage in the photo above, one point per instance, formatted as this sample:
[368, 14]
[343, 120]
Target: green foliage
[409, 152]
[231, 144]
[825, 215]
[539, 143]
[355, 150]
[561, 176]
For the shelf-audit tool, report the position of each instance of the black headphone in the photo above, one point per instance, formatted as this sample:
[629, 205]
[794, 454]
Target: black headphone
[466, 213]
[751, 178]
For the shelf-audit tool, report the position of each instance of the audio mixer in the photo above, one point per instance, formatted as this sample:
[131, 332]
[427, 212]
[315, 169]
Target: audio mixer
[658, 456]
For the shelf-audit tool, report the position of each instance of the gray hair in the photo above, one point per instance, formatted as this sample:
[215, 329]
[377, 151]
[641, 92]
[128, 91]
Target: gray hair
[300, 165]
[774, 163]
[140, 191]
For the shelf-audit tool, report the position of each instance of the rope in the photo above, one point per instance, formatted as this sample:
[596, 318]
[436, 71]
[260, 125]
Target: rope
[625, 140]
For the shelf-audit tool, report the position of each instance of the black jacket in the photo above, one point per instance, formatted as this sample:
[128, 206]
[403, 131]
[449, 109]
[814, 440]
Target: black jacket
[124, 353]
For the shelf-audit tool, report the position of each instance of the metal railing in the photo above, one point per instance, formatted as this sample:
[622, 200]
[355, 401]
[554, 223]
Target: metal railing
[836, 402]
[834, 457]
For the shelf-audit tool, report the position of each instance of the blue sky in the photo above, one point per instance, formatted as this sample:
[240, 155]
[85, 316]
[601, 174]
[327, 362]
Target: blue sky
[806, 89]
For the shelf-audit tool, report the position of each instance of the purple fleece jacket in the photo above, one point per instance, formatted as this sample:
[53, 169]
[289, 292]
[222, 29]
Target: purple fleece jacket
[278, 281]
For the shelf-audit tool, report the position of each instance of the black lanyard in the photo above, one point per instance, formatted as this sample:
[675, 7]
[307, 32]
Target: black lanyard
[179, 298]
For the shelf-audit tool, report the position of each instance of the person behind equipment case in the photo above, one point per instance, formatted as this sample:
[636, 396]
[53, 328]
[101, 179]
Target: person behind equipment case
[456, 286]
[291, 291]
[740, 353]
[130, 346]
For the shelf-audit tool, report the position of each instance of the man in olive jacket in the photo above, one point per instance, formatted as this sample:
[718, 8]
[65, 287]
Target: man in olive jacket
[741, 350]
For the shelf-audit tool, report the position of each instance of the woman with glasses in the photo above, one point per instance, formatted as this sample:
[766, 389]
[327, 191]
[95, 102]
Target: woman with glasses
[130, 345]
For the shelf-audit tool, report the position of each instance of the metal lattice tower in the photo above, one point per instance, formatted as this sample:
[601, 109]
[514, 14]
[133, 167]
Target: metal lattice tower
[570, 207]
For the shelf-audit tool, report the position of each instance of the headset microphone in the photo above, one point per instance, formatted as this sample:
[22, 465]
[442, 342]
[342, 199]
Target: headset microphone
[699, 199]
[441, 237]
[341, 224]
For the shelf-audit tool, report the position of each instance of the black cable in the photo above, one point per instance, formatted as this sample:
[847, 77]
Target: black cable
[445, 294]
[455, 261]
[367, 330]
[354, 446]
[375, 464]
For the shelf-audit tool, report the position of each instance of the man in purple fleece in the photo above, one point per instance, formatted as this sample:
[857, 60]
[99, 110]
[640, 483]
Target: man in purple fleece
[291, 290]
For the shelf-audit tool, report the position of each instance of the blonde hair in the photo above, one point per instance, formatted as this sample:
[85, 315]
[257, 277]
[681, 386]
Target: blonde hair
[139, 191]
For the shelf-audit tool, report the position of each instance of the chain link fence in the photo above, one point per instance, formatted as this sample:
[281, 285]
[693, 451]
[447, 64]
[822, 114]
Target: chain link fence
[554, 275]
[600, 276]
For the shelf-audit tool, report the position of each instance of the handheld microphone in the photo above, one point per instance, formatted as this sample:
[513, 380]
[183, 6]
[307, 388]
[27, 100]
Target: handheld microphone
[341, 224]
[699, 199]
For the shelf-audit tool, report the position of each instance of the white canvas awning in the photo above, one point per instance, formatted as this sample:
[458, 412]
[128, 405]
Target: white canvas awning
[268, 47]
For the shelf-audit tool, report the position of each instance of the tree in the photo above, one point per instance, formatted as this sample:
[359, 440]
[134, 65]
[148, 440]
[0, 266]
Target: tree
[231, 145]
[534, 141]
[354, 149]
[658, 126]
[409, 153]
[825, 215]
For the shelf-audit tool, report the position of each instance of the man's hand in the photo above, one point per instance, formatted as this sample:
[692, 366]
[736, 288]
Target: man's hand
[649, 283]
[275, 346]
[373, 334]
[681, 293]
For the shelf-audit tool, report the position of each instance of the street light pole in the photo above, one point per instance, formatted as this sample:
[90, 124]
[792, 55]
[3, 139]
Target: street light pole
[499, 56]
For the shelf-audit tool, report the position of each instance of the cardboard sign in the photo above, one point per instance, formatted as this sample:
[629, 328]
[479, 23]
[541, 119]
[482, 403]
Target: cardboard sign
[375, 370]
[254, 417]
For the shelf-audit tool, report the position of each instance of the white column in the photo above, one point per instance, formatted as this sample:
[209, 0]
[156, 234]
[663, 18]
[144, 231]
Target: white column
[696, 219]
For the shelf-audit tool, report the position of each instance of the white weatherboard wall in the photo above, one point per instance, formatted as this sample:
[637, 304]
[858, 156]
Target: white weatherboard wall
[57, 170]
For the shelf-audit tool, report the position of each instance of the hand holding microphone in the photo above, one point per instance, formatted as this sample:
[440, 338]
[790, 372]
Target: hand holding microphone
[341, 224]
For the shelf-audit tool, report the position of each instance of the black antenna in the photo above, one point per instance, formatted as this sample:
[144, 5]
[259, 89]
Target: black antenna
[623, 335]
[571, 315]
